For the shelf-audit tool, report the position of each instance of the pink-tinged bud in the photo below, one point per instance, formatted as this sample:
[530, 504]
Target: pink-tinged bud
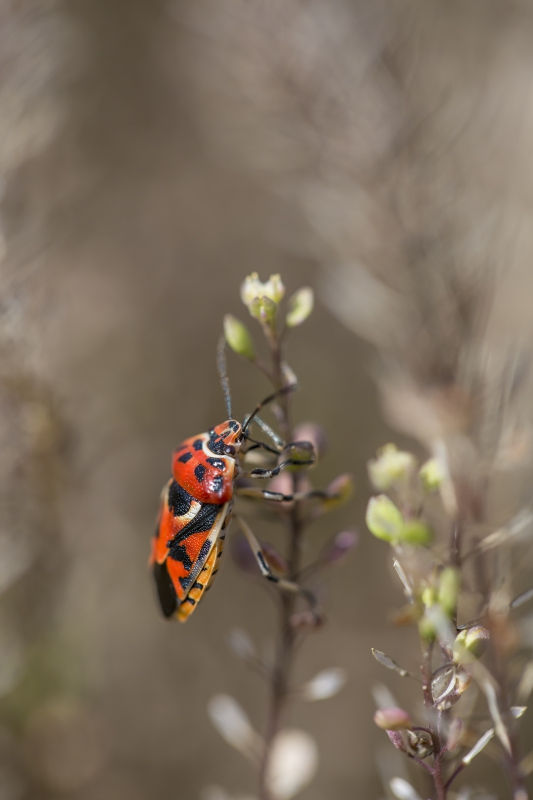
[339, 547]
[339, 491]
[392, 719]
[314, 433]
[306, 620]
[274, 559]
[282, 483]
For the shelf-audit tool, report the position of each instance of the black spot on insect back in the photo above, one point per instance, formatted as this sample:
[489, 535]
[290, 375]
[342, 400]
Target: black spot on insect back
[216, 445]
[179, 500]
[179, 553]
[185, 457]
[217, 483]
[217, 462]
[197, 444]
[199, 472]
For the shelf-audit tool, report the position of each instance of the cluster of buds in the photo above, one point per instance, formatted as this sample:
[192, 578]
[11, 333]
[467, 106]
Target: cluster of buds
[263, 302]
[396, 472]
[396, 516]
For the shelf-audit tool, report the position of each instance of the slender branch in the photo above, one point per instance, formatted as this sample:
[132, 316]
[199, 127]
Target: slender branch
[287, 634]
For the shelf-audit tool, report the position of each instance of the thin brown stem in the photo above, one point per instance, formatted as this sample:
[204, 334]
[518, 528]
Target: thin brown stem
[287, 635]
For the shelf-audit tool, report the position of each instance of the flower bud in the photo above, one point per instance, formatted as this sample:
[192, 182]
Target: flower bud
[448, 685]
[300, 306]
[301, 452]
[420, 743]
[392, 719]
[426, 629]
[314, 433]
[252, 289]
[432, 475]
[306, 620]
[416, 532]
[384, 520]
[339, 491]
[390, 467]
[238, 337]
[470, 644]
[274, 559]
[429, 595]
[339, 546]
[264, 309]
[449, 585]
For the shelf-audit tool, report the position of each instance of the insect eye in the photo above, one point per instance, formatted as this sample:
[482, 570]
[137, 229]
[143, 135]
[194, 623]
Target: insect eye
[229, 450]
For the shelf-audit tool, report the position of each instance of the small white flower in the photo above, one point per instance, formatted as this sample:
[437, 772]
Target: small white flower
[253, 289]
[293, 763]
[403, 790]
[391, 467]
[325, 684]
[234, 726]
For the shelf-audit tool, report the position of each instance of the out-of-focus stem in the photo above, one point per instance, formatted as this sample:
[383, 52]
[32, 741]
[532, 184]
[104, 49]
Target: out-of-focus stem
[287, 635]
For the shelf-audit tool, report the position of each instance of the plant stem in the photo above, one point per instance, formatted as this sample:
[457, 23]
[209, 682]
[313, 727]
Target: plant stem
[287, 634]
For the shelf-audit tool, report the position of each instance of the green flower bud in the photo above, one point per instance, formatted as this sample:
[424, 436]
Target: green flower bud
[426, 629]
[264, 309]
[470, 644]
[300, 306]
[390, 467]
[301, 452]
[449, 586]
[238, 337]
[429, 596]
[392, 719]
[416, 532]
[432, 475]
[384, 520]
[253, 288]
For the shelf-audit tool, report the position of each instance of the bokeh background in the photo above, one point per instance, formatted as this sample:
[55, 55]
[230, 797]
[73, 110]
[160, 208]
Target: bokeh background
[152, 154]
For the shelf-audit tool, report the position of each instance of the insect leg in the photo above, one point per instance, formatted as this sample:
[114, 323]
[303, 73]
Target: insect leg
[267, 573]
[271, 473]
[265, 494]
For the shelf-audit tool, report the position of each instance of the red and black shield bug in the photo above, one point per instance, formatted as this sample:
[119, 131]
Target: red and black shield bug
[196, 506]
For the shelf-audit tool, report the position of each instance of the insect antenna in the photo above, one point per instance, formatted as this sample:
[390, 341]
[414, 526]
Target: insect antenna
[222, 371]
[284, 390]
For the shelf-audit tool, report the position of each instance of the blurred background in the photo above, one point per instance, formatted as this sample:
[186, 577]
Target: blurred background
[153, 154]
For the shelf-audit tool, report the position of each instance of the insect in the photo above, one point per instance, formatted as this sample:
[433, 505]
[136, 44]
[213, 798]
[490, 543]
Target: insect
[196, 507]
